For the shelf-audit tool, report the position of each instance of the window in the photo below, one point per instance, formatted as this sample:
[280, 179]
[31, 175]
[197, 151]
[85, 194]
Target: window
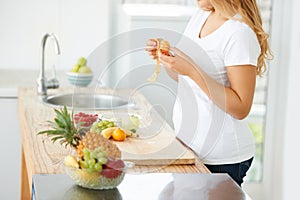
[258, 112]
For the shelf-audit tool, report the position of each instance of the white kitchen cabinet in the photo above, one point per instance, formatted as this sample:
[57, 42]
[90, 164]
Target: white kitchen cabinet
[10, 148]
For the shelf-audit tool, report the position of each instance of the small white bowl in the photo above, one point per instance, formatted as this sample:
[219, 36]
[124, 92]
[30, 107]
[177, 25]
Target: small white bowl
[79, 79]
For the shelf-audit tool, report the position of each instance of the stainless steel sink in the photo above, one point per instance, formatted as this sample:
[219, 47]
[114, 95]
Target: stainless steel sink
[88, 101]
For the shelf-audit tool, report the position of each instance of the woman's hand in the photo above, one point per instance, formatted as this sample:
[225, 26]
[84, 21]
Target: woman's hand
[151, 48]
[178, 62]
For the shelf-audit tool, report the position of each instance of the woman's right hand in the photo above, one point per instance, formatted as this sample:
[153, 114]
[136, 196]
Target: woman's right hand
[151, 48]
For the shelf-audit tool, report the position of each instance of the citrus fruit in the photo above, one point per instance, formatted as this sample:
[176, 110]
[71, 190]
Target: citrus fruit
[118, 135]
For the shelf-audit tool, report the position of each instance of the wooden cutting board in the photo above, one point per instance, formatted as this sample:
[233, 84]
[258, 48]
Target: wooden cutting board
[156, 145]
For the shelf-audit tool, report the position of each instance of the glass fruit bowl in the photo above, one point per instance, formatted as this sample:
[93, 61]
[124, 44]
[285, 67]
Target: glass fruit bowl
[108, 178]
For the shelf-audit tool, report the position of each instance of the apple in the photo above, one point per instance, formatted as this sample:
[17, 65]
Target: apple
[81, 61]
[75, 68]
[84, 69]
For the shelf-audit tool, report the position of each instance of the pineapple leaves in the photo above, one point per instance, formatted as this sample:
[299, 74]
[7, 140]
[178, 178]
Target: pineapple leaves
[63, 128]
[61, 118]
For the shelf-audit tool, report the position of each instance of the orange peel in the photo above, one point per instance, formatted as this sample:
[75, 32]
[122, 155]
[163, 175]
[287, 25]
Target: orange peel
[164, 47]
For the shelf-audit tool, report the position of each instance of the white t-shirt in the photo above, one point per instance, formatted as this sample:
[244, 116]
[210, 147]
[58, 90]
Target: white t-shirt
[216, 136]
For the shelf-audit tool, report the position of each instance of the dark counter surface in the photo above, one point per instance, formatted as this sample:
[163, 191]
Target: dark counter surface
[147, 186]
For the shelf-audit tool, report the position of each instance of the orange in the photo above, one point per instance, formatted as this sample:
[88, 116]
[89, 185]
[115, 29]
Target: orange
[118, 135]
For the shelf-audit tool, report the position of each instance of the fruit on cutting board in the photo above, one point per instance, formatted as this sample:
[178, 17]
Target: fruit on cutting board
[81, 66]
[98, 127]
[107, 133]
[118, 134]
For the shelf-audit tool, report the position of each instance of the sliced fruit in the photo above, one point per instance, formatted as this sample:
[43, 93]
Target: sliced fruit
[107, 133]
[113, 168]
[70, 161]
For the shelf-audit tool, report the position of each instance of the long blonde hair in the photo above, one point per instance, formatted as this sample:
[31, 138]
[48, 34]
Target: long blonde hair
[249, 11]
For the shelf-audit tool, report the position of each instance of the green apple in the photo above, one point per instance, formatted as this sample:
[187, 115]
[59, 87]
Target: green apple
[75, 68]
[84, 69]
[82, 61]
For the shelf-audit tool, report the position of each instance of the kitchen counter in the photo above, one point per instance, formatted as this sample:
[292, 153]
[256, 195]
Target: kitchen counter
[151, 186]
[41, 156]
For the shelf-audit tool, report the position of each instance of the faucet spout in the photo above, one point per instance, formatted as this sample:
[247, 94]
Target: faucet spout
[42, 82]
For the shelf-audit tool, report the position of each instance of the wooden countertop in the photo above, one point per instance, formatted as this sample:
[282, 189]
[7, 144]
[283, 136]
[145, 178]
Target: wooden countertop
[41, 156]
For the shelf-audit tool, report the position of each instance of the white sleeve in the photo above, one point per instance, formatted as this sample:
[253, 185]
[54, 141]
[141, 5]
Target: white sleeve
[242, 48]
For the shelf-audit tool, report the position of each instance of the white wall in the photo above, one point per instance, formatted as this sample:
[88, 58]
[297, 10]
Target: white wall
[281, 172]
[79, 25]
[291, 141]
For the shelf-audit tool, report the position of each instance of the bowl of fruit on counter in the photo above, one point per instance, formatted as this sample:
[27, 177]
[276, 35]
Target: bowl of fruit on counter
[80, 75]
[96, 162]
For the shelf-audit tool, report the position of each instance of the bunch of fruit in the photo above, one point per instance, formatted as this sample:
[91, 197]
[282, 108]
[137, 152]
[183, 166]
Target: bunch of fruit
[109, 130]
[95, 154]
[81, 66]
[98, 127]
[93, 160]
[97, 161]
[84, 119]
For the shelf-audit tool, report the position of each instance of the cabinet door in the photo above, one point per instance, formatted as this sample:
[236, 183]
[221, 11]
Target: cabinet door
[10, 148]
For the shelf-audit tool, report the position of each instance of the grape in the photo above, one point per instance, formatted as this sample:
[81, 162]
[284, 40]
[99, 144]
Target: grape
[90, 170]
[93, 155]
[86, 157]
[91, 162]
[84, 164]
[98, 167]
[102, 160]
[99, 126]
[101, 154]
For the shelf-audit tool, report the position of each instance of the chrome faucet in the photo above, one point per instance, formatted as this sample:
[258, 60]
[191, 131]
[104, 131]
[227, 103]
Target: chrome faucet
[43, 83]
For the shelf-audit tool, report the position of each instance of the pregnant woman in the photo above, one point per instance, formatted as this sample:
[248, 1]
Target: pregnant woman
[223, 49]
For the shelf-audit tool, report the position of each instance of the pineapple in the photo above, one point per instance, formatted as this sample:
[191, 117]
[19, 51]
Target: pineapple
[64, 129]
[93, 140]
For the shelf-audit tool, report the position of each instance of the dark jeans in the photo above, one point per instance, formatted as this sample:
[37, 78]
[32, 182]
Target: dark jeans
[237, 171]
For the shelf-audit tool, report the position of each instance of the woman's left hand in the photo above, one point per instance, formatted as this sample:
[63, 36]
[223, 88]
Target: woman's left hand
[180, 62]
